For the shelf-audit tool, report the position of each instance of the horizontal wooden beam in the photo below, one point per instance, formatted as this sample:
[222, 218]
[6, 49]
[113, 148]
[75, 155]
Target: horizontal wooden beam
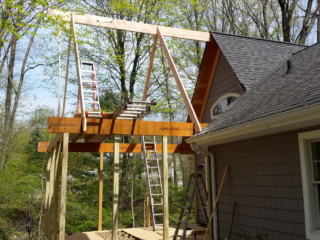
[124, 147]
[118, 24]
[121, 127]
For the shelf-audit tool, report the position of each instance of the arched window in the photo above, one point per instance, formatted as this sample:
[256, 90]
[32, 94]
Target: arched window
[222, 104]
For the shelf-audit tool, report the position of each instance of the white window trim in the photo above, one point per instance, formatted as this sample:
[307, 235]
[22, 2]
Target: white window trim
[219, 100]
[309, 212]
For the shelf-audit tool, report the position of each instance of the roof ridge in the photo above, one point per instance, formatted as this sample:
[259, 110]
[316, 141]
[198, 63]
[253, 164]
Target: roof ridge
[262, 39]
[307, 47]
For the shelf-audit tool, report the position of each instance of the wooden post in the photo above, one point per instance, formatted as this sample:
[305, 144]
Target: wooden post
[64, 179]
[100, 192]
[115, 196]
[77, 56]
[195, 171]
[208, 164]
[148, 213]
[56, 195]
[153, 51]
[165, 188]
[67, 76]
[47, 212]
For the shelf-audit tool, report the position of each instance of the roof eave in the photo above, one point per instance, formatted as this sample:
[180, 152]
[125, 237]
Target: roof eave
[295, 119]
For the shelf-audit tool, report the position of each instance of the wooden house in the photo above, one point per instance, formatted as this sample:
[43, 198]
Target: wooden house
[261, 99]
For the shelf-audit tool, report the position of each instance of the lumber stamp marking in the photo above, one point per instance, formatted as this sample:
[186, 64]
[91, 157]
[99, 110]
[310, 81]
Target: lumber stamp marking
[121, 127]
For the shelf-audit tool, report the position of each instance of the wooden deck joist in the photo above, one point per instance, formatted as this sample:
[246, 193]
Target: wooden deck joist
[124, 148]
[121, 127]
[118, 24]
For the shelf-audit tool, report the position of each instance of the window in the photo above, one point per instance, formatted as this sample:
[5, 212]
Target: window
[222, 104]
[309, 147]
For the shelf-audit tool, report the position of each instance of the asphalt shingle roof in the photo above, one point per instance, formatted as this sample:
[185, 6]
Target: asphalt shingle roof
[253, 59]
[280, 92]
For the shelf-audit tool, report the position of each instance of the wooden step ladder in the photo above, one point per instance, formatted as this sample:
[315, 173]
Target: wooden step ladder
[194, 183]
[154, 183]
[88, 96]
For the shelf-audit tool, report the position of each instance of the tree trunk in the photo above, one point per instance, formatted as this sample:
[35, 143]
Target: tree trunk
[7, 108]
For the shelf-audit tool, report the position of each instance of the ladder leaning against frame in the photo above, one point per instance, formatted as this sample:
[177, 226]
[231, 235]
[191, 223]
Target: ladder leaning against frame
[154, 182]
[195, 182]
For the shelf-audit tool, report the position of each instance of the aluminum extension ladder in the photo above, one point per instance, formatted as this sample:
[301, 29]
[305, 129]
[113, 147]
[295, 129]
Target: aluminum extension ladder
[154, 183]
[88, 96]
[194, 183]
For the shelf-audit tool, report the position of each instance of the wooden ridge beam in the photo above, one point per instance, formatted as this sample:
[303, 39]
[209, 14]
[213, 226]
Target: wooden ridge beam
[118, 24]
[124, 147]
[121, 127]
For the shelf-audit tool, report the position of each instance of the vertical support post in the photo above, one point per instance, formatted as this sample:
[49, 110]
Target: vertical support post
[46, 205]
[64, 179]
[209, 189]
[115, 196]
[148, 214]
[56, 195]
[195, 171]
[165, 188]
[100, 192]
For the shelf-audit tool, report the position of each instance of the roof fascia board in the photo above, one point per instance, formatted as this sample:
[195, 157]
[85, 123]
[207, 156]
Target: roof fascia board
[118, 24]
[278, 123]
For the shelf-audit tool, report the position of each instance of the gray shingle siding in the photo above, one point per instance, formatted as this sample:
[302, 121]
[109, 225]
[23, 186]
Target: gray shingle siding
[264, 179]
[224, 81]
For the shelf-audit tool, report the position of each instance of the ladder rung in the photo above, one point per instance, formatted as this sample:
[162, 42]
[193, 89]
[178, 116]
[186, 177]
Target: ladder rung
[88, 81]
[128, 115]
[158, 204]
[97, 102]
[156, 194]
[140, 106]
[155, 185]
[91, 91]
[87, 71]
[136, 109]
[149, 143]
[158, 214]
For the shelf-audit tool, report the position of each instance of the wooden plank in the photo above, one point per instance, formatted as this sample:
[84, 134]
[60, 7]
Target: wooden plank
[78, 67]
[182, 90]
[64, 179]
[195, 205]
[121, 127]
[143, 234]
[115, 192]
[165, 186]
[153, 51]
[118, 24]
[46, 203]
[54, 142]
[67, 76]
[124, 147]
[100, 193]
[56, 195]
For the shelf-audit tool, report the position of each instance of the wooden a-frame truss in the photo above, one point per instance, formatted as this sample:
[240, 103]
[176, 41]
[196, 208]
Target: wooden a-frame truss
[94, 131]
